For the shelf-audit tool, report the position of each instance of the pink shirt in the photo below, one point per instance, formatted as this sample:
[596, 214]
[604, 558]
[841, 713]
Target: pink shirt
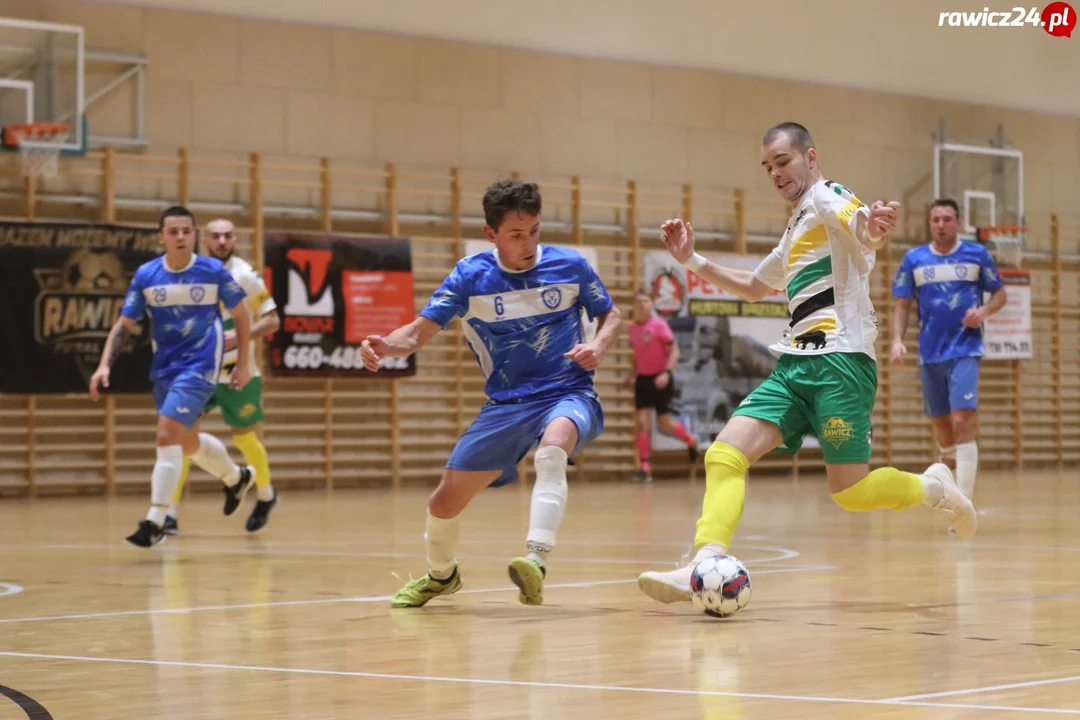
[651, 341]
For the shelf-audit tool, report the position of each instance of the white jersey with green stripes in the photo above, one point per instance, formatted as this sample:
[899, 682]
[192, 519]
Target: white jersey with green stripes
[826, 273]
[259, 302]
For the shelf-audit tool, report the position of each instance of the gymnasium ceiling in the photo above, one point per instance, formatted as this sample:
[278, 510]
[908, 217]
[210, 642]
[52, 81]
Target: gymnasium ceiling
[893, 46]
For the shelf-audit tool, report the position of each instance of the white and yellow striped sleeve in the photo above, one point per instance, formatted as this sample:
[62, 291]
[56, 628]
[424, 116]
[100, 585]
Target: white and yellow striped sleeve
[839, 208]
[259, 298]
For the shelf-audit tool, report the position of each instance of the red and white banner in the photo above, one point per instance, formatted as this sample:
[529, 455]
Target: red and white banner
[1007, 333]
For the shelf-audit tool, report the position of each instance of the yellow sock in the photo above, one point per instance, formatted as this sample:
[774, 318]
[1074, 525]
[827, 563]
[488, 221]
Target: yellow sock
[179, 492]
[725, 493]
[255, 455]
[884, 488]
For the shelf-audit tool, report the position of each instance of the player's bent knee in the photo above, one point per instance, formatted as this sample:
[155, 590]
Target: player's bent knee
[445, 503]
[561, 432]
[457, 489]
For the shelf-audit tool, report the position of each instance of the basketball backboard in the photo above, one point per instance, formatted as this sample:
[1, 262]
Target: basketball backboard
[986, 181]
[42, 70]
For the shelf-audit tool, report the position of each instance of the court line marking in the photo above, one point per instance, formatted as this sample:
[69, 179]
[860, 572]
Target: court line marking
[270, 551]
[524, 683]
[989, 688]
[10, 589]
[361, 599]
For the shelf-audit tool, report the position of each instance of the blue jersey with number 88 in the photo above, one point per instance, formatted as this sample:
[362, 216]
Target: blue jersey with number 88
[520, 324]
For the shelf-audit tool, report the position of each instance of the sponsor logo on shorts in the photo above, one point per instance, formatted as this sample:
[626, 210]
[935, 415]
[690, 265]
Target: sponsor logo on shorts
[836, 432]
[182, 410]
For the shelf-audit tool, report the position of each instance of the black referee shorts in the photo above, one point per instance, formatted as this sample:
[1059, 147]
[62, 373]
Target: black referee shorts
[647, 395]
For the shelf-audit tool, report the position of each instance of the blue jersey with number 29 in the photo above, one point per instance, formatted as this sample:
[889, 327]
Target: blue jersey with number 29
[184, 312]
[520, 324]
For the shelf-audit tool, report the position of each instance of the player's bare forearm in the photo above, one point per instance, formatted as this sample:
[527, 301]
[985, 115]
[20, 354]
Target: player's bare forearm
[740, 283]
[997, 301]
[242, 322]
[114, 344]
[266, 325]
[408, 339]
[900, 318]
[608, 326]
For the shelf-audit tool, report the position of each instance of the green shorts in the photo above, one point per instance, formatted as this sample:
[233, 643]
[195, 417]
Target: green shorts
[239, 408]
[831, 396]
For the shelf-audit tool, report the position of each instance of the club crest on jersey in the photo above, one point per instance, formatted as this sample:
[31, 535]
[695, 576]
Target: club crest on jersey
[961, 271]
[552, 297]
[197, 293]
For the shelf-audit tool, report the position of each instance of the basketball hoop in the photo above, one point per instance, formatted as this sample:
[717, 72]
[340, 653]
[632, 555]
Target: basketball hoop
[1005, 243]
[39, 145]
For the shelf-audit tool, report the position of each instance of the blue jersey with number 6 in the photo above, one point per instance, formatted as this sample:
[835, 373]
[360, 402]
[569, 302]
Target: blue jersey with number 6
[184, 312]
[520, 324]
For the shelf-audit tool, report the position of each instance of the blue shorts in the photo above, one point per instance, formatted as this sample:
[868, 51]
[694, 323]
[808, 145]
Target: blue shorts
[183, 396]
[950, 385]
[503, 433]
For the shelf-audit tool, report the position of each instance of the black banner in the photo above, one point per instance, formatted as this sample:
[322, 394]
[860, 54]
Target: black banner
[62, 287]
[332, 292]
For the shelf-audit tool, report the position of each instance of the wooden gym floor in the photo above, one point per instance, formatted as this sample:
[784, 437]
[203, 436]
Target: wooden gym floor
[853, 616]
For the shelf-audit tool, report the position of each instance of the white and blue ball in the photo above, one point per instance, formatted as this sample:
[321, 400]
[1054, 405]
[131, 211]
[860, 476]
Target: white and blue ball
[720, 586]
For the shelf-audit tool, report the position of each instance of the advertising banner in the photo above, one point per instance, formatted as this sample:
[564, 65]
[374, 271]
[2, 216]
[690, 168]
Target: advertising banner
[332, 292]
[62, 287]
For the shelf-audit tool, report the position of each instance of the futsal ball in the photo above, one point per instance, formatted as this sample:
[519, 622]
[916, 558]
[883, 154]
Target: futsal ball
[720, 586]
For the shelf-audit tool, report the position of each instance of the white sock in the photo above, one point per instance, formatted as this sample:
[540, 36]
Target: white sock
[441, 537]
[170, 460]
[947, 453]
[708, 551]
[214, 459]
[174, 510]
[548, 501]
[967, 465]
[935, 492]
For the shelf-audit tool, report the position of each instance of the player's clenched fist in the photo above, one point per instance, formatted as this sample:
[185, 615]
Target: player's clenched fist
[678, 238]
[883, 218]
[372, 350]
[587, 355]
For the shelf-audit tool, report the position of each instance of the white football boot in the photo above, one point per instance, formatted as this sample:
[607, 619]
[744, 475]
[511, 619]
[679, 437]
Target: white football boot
[957, 510]
[674, 585]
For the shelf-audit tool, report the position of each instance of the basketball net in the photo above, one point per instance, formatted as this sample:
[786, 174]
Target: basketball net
[1005, 243]
[39, 147]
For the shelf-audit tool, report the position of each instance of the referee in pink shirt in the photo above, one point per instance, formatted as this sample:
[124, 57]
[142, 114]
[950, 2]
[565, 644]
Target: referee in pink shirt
[655, 354]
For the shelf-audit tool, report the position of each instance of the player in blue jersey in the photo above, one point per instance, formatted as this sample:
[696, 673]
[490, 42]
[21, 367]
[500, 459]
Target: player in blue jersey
[946, 279]
[522, 307]
[180, 292]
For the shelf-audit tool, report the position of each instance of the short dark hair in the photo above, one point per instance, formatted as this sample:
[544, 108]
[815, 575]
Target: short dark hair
[174, 211]
[510, 196]
[799, 135]
[946, 202]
